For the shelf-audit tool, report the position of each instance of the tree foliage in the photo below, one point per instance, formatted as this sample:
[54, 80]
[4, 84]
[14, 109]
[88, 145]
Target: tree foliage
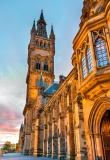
[8, 146]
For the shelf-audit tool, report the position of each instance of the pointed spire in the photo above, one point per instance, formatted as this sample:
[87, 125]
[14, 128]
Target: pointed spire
[41, 26]
[40, 84]
[52, 31]
[34, 26]
[52, 35]
[21, 128]
[41, 15]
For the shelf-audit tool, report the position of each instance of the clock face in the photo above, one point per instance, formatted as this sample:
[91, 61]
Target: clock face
[40, 52]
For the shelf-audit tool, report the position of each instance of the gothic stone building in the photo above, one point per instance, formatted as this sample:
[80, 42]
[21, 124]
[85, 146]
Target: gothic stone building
[70, 120]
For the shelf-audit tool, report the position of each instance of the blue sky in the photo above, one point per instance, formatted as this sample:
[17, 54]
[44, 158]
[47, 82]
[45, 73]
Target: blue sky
[16, 21]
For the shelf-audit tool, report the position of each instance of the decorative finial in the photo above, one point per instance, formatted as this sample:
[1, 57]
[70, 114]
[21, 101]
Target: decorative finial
[52, 31]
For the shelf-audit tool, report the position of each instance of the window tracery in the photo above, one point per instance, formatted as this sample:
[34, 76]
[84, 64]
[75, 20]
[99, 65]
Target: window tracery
[101, 52]
[84, 70]
[100, 48]
[89, 60]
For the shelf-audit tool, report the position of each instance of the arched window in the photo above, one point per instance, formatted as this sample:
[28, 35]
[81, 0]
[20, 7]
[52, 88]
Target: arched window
[37, 43]
[37, 65]
[41, 44]
[89, 60]
[84, 67]
[101, 52]
[44, 45]
[45, 66]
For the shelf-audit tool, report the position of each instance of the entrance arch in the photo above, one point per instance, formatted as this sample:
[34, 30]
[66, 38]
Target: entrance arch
[105, 132]
[96, 126]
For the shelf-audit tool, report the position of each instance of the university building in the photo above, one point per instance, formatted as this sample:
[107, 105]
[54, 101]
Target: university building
[70, 119]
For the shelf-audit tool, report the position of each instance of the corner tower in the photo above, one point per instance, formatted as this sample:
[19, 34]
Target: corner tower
[41, 51]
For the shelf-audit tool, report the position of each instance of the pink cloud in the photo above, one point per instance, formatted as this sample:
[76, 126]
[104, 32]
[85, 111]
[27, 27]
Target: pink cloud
[9, 113]
[10, 120]
[6, 127]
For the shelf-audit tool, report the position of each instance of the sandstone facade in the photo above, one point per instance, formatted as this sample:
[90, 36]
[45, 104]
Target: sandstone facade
[70, 120]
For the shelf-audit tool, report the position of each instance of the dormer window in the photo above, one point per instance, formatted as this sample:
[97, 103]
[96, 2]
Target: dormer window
[45, 66]
[38, 65]
[101, 52]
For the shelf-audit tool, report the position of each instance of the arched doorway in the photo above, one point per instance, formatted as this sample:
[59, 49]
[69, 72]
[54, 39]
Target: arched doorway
[105, 132]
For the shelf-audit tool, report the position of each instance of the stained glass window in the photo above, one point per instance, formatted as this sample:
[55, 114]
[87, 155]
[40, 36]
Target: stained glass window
[101, 52]
[84, 67]
[89, 60]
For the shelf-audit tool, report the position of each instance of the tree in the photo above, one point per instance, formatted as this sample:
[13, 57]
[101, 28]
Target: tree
[10, 147]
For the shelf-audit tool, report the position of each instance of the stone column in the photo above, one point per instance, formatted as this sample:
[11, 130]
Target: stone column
[45, 141]
[70, 137]
[54, 139]
[78, 67]
[31, 143]
[49, 141]
[108, 41]
[80, 141]
[92, 52]
[93, 156]
[28, 118]
[35, 138]
[61, 137]
[35, 149]
[98, 145]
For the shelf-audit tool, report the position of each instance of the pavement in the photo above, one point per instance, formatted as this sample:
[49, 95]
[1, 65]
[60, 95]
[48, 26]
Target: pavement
[18, 156]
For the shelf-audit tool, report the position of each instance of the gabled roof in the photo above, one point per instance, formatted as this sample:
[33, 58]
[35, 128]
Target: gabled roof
[52, 89]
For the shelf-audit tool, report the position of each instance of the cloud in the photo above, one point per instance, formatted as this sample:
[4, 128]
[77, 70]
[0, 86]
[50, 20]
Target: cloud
[12, 101]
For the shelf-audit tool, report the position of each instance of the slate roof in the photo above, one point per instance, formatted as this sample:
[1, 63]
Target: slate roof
[52, 89]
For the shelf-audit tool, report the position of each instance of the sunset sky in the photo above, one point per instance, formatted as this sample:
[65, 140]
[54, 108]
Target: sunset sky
[16, 18]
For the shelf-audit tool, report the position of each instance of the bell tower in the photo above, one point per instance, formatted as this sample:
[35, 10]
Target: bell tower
[41, 51]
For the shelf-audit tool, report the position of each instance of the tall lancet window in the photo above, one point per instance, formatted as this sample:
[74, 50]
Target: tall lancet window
[84, 67]
[38, 65]
[101, 52]
[89, 60]
[45, 66]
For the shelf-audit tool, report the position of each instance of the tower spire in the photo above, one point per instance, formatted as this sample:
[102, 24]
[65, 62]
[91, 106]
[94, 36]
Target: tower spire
[40, 83]
[41, 26]
[52, 35]
[34, 26]
[41, 15]
[52, 31]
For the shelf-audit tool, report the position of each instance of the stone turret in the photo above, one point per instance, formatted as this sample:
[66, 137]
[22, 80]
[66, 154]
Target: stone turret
[52, 37]
[33, 34]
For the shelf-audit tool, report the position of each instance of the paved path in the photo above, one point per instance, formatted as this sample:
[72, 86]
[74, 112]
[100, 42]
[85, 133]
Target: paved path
[17, 156]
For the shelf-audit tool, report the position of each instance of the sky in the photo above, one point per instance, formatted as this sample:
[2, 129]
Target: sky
[16, 18]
